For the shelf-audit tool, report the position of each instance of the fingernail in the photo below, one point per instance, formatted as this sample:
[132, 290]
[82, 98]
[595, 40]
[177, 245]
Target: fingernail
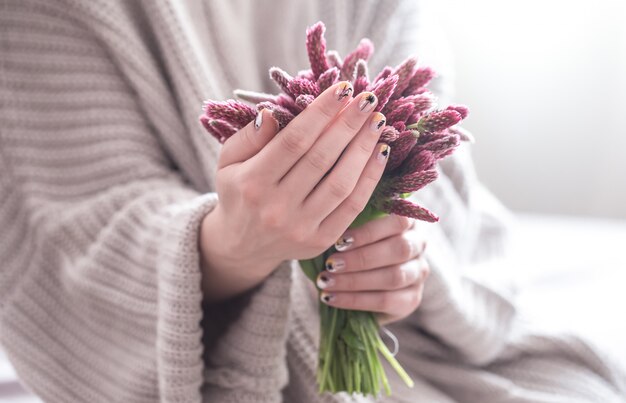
[258, 121]
[326, 297]
[324, 281]
[383, 152]
[378, 121]
[343, 90]
[344, 242]
[334, 264]
[367, 102]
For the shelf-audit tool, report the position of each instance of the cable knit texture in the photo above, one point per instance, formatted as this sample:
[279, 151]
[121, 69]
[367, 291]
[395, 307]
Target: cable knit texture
[106, 176]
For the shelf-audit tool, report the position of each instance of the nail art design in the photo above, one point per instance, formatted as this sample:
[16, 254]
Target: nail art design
[367, 102]
[378, 121]
[343, 90]
[326, 297]
[383, 152]
[334, 264]
[325, 281]
[258, 121]
[344, 243]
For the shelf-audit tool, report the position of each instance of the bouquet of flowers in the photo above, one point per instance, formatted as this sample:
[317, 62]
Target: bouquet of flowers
[419, 136]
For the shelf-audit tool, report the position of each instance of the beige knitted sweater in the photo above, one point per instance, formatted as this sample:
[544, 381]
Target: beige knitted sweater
[106, 175]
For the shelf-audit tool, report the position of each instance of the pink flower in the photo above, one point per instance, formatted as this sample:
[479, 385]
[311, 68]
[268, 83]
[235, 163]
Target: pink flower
[418, 136]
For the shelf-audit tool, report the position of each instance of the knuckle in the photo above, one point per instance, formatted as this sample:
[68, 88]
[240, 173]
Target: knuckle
[294, 141]
[299, 235]
[250, 191]
[319, 159]
[416, 297]
[349, 124]
[364, 147]
[325, 111]
[425, 271]
[272, 217]
[355, 205]
[385, 301]
[403, 223]
[404, 248]
[339, 189]
[399, 277]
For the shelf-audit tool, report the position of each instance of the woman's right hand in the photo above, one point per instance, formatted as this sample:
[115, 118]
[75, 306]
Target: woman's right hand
[290, 195]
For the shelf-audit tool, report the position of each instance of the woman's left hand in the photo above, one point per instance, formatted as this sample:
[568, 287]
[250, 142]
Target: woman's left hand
[378, 267]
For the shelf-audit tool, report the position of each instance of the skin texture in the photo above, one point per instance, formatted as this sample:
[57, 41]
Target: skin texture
[290, 194]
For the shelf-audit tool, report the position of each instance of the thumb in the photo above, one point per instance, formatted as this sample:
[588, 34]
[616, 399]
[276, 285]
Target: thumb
[249, 140]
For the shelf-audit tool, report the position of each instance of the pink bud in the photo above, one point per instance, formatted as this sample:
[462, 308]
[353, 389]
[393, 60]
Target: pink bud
[420, 79]
[418, 160]
[299, 86]
[207, 126]
[234, 112]
[254, 97]
[361, 82]
[462, 109]
[383, 91]
[328, 78]
[304, 100]
[407, 209]
[421, 102]
[389, 134]
[409, 183]
[288, 103]
[443, 146]
[316, 48]
[384, 73]
[463, 134]
[306, 74]
[404, 72]
[401, 113]
[401, 147]
[363, 51]
[281, 78]
[333, 58]
[439, 120]
[400, 126]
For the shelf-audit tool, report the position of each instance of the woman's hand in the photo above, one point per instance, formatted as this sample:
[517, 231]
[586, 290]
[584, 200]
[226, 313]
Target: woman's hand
[290, 195]
[378, 268]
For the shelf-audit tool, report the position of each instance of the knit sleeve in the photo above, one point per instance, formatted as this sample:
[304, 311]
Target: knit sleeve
[100, 296]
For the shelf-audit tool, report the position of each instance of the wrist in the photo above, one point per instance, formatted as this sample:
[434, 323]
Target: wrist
[225, 272]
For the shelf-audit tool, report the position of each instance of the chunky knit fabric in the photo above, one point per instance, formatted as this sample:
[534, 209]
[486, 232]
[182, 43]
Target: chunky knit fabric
[105, 178]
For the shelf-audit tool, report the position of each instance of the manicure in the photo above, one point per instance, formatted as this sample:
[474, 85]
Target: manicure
[258, 121]
[383, 152]
[343, 90]
[334, 264]
[344, 243]
[324, 281]
[378, 121]
[367, 102]
[326, 297]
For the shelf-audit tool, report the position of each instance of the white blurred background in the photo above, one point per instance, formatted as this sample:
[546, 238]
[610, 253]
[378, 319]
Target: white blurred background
[546, 84]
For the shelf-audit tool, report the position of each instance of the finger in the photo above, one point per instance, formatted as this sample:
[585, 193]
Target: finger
[392, 277]
[394, 303]
[374, 231]
[248, 141]
[389, 251]
[316, 162]
[277, 158]
[386, 318]
[341, 217]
